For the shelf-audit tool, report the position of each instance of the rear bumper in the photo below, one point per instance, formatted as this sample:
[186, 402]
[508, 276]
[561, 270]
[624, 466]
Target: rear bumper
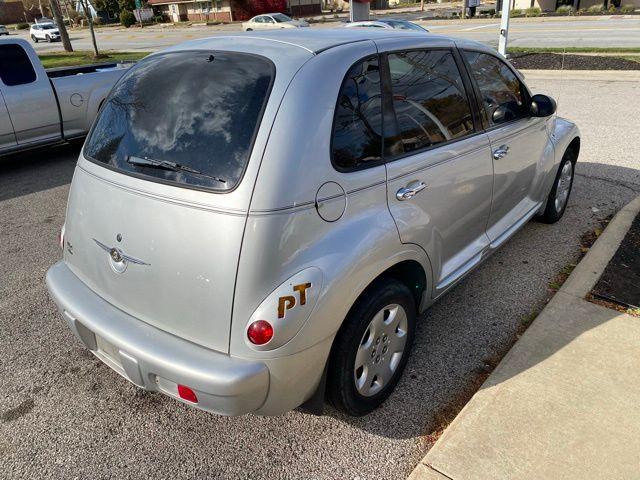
[153, 359]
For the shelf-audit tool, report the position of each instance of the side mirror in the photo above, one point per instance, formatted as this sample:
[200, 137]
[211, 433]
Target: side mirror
[542, 106]
[500, 114]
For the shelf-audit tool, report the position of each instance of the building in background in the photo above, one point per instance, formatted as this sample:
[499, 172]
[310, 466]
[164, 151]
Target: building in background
[552, 5]
[230, 10]
[15, 11]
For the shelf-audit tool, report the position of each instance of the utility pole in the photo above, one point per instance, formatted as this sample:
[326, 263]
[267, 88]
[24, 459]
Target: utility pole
[504, 28]
[57, 15]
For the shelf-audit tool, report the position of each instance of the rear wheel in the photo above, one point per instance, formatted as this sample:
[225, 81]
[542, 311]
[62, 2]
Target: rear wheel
[34, 38]
[559, 195]
[372, 348]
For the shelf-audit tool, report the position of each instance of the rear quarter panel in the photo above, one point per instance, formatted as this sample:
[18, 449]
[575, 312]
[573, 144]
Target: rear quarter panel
[80, 97]
[285, 234]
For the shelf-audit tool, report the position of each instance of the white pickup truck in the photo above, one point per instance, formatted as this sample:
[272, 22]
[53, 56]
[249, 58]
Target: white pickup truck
[41, 107]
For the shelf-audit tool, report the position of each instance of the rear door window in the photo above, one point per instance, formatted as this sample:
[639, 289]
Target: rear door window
[357, 125]
[187, 118]
[429, 98]
[15, 66]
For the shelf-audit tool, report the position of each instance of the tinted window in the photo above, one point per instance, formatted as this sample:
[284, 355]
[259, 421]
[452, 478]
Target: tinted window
[279, 17]
[199, 110]
[357, 125]
[498, 86]
[429, 98]
[15, 66]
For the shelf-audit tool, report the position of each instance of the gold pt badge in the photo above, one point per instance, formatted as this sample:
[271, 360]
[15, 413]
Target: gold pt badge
[289, 301]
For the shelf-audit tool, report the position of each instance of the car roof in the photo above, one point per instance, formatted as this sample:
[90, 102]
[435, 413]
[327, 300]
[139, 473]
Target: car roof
[316, 41]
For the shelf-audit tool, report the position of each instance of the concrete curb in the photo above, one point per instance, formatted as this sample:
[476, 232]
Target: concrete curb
[569, 75]
[571, 295]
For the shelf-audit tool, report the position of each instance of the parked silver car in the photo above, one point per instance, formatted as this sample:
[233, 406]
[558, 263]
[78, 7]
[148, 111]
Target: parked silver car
[257, 221]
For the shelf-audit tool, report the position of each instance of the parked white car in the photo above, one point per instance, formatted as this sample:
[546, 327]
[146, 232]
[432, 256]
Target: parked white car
[270, 21]
[389, 24]
[3, 30]
[44, 31]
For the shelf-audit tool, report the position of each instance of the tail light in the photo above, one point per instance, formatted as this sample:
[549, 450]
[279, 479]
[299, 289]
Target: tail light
[187, 394]
[260, 332]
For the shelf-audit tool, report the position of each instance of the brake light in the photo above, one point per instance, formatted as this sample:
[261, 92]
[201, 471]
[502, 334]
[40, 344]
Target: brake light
[61, 237]
[260, 332]
[187, 394]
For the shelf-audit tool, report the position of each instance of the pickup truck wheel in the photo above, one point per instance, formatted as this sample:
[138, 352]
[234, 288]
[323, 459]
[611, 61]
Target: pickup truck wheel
[33, 37]
[559, 195]
[372, 348]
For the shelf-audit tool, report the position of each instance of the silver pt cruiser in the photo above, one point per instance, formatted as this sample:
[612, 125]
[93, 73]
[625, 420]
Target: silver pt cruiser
[256, 221]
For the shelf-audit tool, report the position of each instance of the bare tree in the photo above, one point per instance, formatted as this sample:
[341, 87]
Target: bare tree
[465, 7]
[87, 12]
[57, 14]
[422, 5]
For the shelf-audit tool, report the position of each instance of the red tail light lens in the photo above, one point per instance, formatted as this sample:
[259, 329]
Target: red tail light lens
[260, 332]
[187, 394]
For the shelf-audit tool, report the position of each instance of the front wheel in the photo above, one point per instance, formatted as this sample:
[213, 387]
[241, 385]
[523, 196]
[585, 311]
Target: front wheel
[48, 39]
[559, 195]
[34, 38]
[372, 348]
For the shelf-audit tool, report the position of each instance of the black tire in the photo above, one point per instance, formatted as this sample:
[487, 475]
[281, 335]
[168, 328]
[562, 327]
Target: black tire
[554, 212]
[48, 39]
[249, 30]
[341, 375]
[33, 37]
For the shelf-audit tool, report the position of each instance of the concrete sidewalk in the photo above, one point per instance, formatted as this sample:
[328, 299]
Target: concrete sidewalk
[563, 403]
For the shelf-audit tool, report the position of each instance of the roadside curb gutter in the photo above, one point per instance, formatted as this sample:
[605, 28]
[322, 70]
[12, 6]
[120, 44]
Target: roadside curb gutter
[563, 401]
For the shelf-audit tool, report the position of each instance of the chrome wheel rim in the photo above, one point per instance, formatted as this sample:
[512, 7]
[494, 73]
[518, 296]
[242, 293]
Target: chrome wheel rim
[380, 350]
[564, 185]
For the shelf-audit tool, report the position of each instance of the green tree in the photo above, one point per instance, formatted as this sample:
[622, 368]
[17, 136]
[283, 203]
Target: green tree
[110, 6]
[128, 5]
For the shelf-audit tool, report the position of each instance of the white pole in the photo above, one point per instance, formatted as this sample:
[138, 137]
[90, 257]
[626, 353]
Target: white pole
[504, 28]
[358, 12]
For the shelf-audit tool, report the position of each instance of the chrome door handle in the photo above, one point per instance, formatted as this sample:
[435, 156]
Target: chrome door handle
[405, 193]
[500, 152]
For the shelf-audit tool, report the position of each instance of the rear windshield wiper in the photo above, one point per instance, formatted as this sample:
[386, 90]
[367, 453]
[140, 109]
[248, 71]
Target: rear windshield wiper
[168, 165]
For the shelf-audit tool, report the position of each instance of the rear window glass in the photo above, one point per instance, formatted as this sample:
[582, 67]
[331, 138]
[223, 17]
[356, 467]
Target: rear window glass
[186, 118]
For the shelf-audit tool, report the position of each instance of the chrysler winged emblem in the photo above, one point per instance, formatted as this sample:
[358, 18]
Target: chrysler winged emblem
[117, 258]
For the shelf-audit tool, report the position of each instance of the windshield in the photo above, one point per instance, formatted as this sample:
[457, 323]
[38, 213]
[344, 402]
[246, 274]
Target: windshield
[194, 114]
[398, 25]
[279, 17]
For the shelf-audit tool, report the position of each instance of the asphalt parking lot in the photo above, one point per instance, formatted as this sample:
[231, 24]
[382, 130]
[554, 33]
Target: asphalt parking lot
[65, 415]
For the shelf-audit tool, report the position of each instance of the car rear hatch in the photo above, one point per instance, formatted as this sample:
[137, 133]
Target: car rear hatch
[158, 204]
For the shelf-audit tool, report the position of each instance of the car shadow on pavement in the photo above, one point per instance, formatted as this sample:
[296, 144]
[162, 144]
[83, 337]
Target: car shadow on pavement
[37, 170]
[463, 337]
